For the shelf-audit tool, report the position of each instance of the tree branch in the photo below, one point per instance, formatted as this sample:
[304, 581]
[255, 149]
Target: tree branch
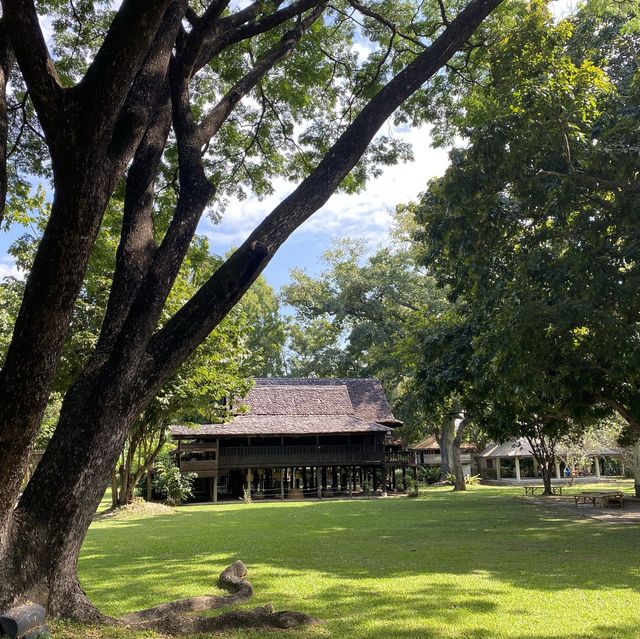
[37, 67]
[7, 60]
[190, 326]
[105, 87]
[230, 32]
[212, 122]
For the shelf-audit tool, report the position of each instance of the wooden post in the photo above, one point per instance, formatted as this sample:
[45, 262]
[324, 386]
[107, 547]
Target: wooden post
[319, 483]
[497, 467]
[375, 479]
[215, 489]
[282, 471]
[518, 468]
[596, 459]
[404, 479]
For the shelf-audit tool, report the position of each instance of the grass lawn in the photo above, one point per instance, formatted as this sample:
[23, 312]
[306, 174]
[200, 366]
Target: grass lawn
[480, 564]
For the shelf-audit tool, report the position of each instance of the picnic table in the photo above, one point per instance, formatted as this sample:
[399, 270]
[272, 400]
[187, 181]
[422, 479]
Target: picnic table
[605, 498]
[532, 490]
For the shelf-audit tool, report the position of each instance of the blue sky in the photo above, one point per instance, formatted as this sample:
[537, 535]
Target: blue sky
[366, 215]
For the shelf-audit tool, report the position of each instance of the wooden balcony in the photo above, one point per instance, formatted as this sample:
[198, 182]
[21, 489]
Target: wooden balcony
[274, 456]
[400, 457]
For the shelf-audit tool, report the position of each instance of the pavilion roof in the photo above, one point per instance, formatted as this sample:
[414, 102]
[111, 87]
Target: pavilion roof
[521, 448]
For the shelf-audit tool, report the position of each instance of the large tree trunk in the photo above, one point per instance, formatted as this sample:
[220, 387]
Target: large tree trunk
[458, 471]
[56, 509]
[445, 438]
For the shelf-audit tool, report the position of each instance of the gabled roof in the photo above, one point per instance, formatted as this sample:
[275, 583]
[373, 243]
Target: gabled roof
[288, 406]
[514, 448]
[522, 448]
[364, 398]
[298, 400]
[431, 443]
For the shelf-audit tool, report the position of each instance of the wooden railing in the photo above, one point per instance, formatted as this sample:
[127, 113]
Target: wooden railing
[252, 456]
[400, 457]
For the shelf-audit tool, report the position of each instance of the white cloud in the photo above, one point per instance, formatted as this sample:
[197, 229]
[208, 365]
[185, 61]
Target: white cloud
[367, 214]
[8, 268]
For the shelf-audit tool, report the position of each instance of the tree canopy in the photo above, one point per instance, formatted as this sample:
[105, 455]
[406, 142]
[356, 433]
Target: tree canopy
[533, 228]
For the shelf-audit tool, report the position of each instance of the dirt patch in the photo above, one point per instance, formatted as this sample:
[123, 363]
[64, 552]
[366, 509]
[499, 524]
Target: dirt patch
[630, 514]
[139, 508]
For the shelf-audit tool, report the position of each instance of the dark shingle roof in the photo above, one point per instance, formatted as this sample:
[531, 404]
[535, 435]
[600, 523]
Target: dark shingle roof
[244, 425]
[298, 400]
[288, 406]
[367, 397]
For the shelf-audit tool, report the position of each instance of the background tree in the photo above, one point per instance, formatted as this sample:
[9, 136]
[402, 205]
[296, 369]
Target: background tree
[533, 226]
[357, 320]
[149, 100]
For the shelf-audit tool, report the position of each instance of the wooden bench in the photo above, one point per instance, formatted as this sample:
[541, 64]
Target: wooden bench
[533, 490]
[604, 498]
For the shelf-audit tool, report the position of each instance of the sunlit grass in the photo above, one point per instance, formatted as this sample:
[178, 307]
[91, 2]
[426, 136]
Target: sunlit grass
[480, 564]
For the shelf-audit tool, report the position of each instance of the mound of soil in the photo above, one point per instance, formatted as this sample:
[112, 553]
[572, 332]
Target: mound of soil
[138, 508]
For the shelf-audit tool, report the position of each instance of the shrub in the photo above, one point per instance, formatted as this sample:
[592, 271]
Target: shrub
[170, 483]
[429, 474]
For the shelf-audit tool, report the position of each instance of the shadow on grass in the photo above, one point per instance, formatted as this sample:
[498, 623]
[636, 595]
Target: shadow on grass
[396, 568]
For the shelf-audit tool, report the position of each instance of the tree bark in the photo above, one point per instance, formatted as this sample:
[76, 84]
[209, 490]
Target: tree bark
[458, 471]
[545, 456]
[445, 439]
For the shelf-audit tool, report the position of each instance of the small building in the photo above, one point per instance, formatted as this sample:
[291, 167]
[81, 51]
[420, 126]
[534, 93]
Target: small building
[294, 438]
[515, 460]
[427, 453]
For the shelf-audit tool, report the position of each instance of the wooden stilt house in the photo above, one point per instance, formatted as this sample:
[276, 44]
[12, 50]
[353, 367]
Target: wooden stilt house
[298, 438]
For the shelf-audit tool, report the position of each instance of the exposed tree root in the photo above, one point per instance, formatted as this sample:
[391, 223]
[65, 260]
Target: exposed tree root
[173, 618]
[261, 617]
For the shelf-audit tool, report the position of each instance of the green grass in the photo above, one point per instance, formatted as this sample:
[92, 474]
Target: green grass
[474, 565]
